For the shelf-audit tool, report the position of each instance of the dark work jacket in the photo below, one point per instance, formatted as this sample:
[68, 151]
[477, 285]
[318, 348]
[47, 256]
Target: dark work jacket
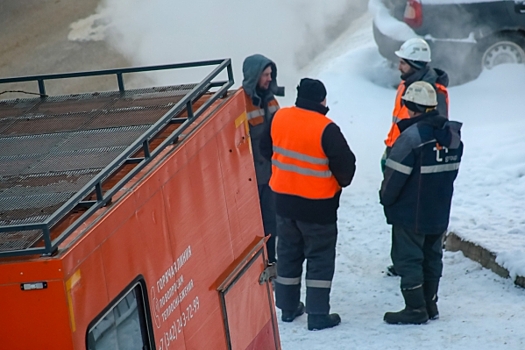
[432, 76]
[341, 162]
[417, 188]
[252, 69]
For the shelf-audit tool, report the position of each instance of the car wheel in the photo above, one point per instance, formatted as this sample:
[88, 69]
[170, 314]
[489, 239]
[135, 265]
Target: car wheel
[502, 50]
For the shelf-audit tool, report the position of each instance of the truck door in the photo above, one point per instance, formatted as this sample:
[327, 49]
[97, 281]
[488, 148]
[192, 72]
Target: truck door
[247, 304]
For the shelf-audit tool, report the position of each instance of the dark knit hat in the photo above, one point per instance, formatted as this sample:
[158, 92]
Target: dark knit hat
[417, 65]
[311, 89]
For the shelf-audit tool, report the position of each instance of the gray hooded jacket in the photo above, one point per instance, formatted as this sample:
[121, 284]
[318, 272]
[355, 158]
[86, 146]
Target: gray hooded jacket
[252, 69]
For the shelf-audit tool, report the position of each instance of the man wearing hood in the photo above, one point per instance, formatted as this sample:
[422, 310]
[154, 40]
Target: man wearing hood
[260, 87]
[414, 56]
[416, 194]
[311, 163]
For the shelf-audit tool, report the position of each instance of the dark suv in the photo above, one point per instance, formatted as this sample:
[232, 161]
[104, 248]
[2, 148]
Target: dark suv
[465, 35]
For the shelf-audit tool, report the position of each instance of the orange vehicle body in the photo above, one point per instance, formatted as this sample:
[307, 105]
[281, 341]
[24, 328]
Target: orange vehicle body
[187, 229]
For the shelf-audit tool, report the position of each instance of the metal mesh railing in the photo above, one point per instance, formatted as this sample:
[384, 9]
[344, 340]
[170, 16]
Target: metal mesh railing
[57, 151]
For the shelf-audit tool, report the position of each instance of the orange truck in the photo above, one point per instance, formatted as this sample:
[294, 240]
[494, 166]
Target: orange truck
[130, 219]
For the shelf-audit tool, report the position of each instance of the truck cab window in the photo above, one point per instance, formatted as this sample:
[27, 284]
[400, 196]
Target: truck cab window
[123, 326]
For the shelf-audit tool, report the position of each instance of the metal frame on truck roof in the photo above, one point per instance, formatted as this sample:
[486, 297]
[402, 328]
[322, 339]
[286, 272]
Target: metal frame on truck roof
[14, 233]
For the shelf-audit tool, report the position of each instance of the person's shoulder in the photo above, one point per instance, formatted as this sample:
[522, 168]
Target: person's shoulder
[244, 92]
[410, 137]
[438, 78]
[284, 110]
[287, 109]
[332, 127]
[272, 101]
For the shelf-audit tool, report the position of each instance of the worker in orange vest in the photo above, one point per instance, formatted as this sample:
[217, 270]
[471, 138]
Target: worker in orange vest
[414, 56]
[311, 162]
[260, 88]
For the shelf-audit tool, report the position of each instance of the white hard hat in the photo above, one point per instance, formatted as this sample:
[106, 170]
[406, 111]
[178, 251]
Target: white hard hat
[421, 93]
[415, 49]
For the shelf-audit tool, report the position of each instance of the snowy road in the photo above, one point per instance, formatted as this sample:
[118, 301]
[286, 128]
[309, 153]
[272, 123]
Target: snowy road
[34, 41]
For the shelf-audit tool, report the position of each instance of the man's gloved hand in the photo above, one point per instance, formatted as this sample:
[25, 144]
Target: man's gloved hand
[383, 161]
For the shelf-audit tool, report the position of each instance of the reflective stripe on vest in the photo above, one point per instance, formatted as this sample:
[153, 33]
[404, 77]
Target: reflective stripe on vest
[301, 170]
[254, 114]
[395, 119]
[303, 158]
[299, 164]
[260, 112]
[401, 112]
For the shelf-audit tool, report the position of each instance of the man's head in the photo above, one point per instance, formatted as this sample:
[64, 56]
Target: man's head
[312, 90]
[260, 78]
[405, 68]
[413, 55]
[265, 78]
[420, 97]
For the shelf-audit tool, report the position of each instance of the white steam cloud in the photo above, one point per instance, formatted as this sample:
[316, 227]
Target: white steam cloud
[291, 32]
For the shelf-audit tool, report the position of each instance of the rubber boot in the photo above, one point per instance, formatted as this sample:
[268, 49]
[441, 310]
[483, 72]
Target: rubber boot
[415, 311]
[431, 298]
[318, 322]
[289, 316]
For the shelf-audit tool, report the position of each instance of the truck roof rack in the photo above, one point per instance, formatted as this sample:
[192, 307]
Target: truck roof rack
[59, 154]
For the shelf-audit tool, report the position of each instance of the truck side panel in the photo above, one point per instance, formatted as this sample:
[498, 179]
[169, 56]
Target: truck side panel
[34, 318]
[181, 227]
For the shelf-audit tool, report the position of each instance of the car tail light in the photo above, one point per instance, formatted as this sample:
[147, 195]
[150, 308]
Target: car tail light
[414, 13]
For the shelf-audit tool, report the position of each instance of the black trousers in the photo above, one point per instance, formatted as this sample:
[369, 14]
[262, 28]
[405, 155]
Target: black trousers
[267, 203]
[417, 258]
[299, 240]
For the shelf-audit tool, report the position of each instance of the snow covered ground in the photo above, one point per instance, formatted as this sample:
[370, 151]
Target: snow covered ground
[478, 309]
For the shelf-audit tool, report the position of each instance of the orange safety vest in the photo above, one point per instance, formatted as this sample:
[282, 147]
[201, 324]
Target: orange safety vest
[299, 164]
[255, 114]
[401, 112]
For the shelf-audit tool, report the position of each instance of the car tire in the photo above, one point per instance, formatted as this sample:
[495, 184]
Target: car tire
[502, 49]
[487, 54]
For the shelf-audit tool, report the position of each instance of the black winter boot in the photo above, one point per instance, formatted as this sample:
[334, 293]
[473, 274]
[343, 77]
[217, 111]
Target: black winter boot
[289, 316]
[431, 298]
[415, 311]
[318, 322]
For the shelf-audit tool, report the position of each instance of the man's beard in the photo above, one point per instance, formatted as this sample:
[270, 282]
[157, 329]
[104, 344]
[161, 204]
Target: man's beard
[262, 90]
[405, 76]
